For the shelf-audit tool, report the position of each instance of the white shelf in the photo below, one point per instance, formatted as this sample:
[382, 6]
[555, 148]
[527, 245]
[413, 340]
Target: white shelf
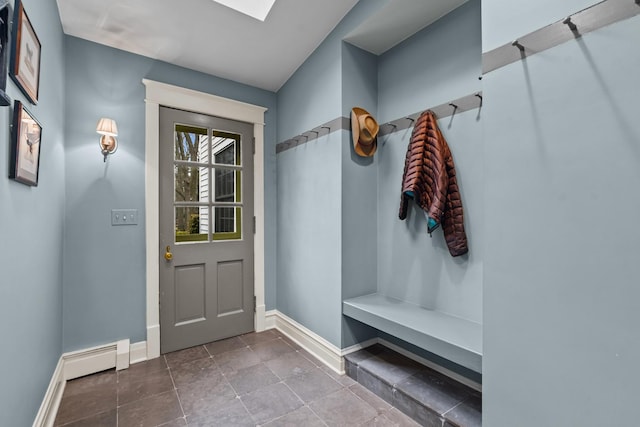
[450, 337]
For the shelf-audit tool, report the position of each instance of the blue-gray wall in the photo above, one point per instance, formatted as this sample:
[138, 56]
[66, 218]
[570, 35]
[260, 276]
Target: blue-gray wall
[561, 294]
[104, 266]
[310, 240]
[359, 191]
[32, 224]
[436, 65]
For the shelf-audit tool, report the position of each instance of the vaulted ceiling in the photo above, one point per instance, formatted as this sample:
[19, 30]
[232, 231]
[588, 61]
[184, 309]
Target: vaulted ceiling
[206, 36]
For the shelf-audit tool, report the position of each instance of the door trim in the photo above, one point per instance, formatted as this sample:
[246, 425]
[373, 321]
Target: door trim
[158, 94]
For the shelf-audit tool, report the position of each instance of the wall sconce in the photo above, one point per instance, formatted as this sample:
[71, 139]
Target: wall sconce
[108, 142]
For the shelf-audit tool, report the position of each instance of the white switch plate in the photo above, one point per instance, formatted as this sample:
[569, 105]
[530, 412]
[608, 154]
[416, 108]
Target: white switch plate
[124, 216]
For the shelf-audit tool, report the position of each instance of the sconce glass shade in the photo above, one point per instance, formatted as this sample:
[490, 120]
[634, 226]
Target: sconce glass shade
[108, 142]
[107, 127]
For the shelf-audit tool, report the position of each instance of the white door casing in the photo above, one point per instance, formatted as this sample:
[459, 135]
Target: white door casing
[158, 94]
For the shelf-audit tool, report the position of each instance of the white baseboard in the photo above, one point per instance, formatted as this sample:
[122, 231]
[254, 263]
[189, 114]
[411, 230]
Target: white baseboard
[153, 341]
[46, 415]
[79, 363]
[259, 320]
[320, 348]
[138, 352]
[85, 362]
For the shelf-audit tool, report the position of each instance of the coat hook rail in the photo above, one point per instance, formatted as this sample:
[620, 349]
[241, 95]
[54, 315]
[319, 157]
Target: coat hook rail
[597, 16]
[315, 133]
[466, 103]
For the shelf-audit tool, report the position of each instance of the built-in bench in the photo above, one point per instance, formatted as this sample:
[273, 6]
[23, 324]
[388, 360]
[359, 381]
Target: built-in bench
[455, 339]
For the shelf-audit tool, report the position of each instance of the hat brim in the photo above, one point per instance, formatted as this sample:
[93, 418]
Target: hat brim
[362, 150]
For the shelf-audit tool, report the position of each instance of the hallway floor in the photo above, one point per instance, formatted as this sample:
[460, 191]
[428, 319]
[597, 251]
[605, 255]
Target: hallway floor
[254, 379]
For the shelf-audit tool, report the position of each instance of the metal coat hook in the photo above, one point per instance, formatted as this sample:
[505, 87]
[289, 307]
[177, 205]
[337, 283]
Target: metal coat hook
[410, 119]
[316, 132]
[571, 25]
[326, 127]
[517, 44]
[479, 96]
[455, 107]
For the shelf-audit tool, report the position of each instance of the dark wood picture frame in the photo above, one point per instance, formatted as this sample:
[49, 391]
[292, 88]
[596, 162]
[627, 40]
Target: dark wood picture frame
[4, 49]
[25, 54]
[25, 146]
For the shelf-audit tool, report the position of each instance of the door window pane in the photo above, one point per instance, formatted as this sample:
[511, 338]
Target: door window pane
[228, 223]
[192, 224]
[191, 144]
[191, 183]
[225, 148]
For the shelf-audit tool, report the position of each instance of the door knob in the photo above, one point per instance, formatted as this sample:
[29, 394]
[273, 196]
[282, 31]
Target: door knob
[167, 254]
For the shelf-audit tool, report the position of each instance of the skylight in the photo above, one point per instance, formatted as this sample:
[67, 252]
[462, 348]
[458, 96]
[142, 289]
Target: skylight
[258, 9]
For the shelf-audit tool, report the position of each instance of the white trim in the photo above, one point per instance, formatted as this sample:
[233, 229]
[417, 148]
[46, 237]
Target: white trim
[320, 348]
[122, 354]
[138, 352]
[46, 415]
[429, 364]
[158, 94]
[89, 361]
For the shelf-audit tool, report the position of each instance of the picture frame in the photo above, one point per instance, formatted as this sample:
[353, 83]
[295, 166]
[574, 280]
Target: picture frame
[25, 54]
[26, 139]
[4, 49]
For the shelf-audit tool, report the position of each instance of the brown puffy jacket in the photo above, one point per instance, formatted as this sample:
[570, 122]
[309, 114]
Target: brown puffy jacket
[430, 179]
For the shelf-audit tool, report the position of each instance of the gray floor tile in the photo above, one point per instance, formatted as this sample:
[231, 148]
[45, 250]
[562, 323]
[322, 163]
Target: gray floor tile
[180, 422]
[223, 346]
[391, 368]
[152, 411]
[234, 360]
[271, 402]
[313, 385]
[423, 415]
[100, 381]
[252, 378]
[202, 397]
[290, 364]
[433, 390]
[343, 408]
[88, 396]
[143, 368]
[467, 414]
[376, 385]
[200, 369]
[104, 419]
[137, 386]
[374, 401]
[300, 417]
[342, 379]
[271, 349]
[400, 419]
[232, 415]
[255, 338]
[185, 356]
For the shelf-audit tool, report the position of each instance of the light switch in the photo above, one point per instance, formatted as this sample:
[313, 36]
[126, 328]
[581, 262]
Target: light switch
[124, 216]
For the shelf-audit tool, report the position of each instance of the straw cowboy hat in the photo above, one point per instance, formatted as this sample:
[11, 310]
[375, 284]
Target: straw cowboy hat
[364, 130]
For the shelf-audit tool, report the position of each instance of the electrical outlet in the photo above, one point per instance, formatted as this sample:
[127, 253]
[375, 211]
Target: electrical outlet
[124, 216]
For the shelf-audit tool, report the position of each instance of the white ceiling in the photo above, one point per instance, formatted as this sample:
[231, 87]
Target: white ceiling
[397, 21]
[206, 36]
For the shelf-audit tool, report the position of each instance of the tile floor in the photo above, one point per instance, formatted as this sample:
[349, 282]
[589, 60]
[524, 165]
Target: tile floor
[254, 379]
